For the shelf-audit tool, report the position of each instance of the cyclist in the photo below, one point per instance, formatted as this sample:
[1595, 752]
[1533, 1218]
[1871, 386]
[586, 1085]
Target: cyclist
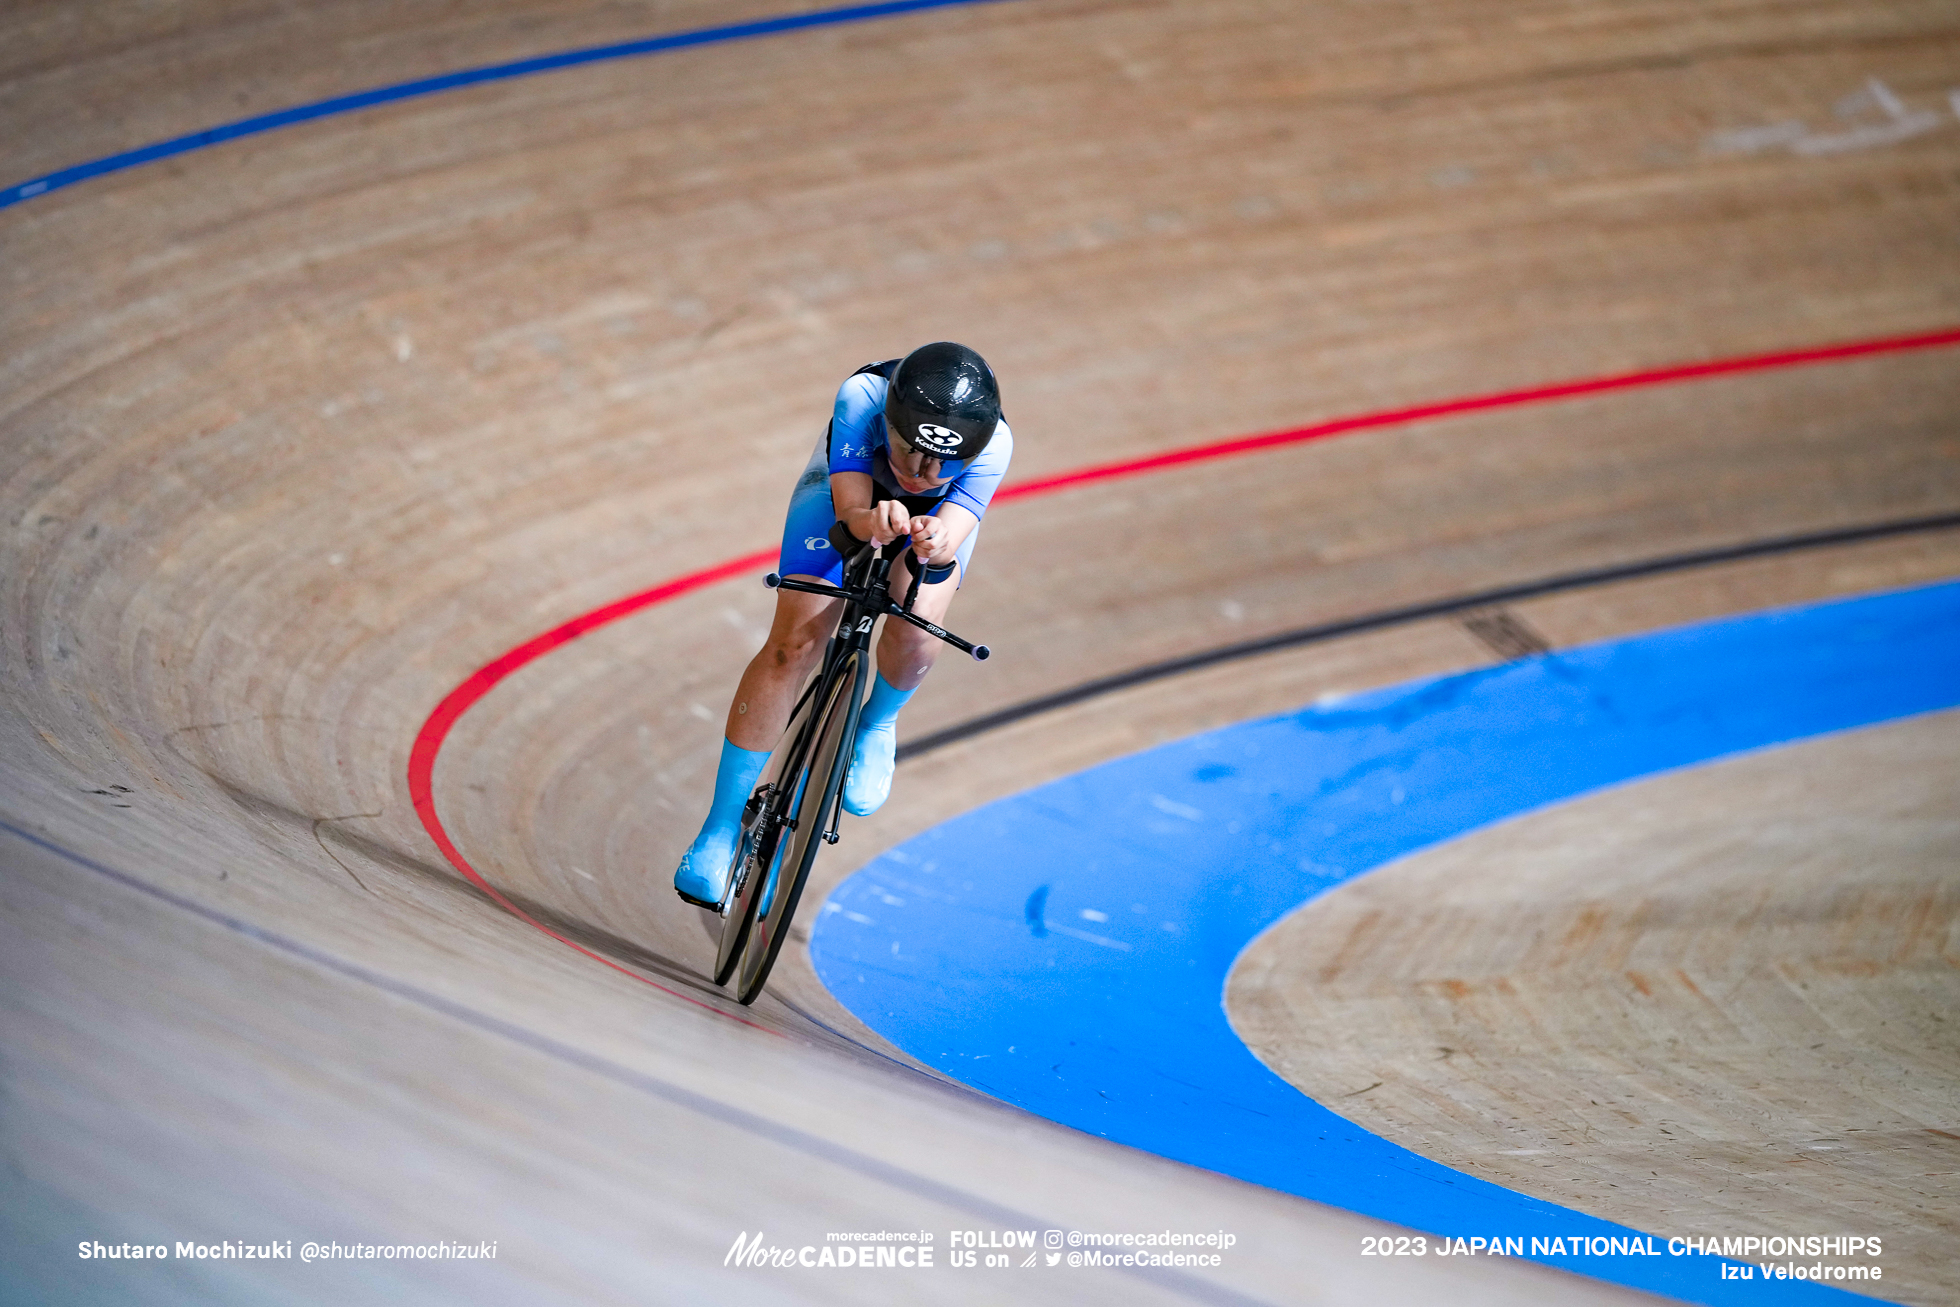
[915, 447]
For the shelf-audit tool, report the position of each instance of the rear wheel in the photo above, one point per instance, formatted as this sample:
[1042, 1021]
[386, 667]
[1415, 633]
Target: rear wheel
[756, 849]
[806, 804]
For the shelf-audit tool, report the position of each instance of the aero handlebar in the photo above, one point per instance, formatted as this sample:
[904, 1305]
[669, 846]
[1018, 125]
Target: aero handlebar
[852, 550]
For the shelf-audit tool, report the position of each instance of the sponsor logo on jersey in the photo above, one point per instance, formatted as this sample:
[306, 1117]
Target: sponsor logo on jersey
[815, 542]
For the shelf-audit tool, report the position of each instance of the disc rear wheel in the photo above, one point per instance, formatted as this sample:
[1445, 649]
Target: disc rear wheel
[762, 829]
[755, 850]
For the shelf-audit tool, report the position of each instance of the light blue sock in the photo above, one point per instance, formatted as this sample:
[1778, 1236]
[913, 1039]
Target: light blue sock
[735, 778]
[704, 867]
[870, 781]
[881, 709]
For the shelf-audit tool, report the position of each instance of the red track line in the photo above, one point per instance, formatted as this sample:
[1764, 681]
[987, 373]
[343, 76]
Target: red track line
[429, 740]
[1476, 403]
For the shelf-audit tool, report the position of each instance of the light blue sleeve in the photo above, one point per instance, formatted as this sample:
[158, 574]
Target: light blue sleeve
[857, 429]
[974, 488]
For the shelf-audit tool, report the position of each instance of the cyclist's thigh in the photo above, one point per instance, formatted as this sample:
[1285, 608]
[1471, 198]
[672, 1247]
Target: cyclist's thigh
[807, 551]
[934, 601]
[803, 618]
[965, 556]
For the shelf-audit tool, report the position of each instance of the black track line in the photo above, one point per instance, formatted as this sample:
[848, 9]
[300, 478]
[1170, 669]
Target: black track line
[1007, 716]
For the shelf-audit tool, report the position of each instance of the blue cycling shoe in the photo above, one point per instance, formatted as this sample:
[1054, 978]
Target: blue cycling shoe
[870, 781]
[702, 878]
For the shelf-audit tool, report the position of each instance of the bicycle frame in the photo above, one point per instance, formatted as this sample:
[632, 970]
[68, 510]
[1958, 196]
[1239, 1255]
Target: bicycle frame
[801, 794]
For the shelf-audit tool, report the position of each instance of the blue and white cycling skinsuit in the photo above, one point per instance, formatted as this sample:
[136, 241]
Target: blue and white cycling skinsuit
[855, 442]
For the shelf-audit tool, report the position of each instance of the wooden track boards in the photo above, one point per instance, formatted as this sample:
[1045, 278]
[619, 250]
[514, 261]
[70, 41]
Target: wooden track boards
[300, 430]
[1685, 1004]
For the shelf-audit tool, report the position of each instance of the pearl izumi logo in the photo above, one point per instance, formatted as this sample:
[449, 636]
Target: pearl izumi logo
[938, 439]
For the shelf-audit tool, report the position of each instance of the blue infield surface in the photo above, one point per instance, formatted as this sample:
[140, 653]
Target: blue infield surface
[1066, 949]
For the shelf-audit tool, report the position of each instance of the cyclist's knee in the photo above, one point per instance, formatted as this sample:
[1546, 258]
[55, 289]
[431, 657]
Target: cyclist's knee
[905, 654]
[792, 650]
[802, 624]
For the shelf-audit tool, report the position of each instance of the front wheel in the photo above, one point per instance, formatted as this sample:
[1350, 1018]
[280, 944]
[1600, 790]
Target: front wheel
[810, 799]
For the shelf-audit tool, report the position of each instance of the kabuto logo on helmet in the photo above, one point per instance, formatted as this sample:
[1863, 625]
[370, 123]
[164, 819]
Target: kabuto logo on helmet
[937, 438]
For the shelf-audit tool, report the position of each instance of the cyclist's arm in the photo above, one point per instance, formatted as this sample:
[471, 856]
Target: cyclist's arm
[947, 527]
[974, 489]
[850, 495]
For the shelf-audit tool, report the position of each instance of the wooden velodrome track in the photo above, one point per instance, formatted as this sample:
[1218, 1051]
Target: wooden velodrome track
[299, 431]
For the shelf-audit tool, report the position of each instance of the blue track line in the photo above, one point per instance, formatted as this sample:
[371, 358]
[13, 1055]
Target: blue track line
[548, 63]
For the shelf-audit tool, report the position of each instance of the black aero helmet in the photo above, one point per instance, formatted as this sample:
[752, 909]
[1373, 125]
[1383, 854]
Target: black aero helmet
[944, 402]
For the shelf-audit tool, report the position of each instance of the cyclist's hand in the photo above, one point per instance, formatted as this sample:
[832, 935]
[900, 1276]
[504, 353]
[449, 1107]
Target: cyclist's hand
[889, 521]
[929, 536]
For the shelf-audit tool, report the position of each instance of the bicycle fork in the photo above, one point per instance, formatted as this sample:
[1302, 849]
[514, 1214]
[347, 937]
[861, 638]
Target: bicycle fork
[848, 747]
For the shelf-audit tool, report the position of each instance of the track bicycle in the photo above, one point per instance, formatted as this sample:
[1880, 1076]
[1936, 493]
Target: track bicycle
[800, 800]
